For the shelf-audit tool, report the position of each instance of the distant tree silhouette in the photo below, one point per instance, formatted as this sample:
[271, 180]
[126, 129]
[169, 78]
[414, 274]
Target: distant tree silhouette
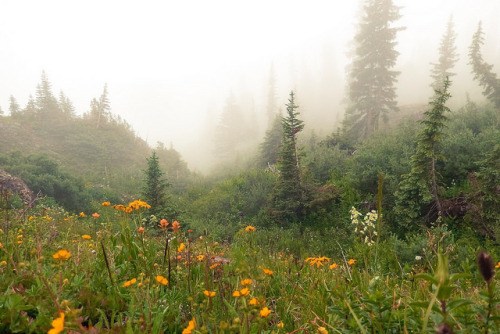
[448, 57]
[371, 87]
[483, 71]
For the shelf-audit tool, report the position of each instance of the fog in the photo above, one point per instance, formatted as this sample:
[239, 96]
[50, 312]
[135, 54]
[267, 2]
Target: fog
[170, 66]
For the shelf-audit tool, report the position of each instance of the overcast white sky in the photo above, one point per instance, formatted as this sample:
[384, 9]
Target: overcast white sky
[166, 61]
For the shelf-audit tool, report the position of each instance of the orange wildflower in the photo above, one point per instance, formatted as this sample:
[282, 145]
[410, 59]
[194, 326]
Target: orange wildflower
[129, 283]
[209, 293]
[267, 271]
[96, 215]
[249, 228]
[106, 204]
[264, 312]
[162, 280]
[57, 324]
[62, 255]
[163, 223]
[189, 329]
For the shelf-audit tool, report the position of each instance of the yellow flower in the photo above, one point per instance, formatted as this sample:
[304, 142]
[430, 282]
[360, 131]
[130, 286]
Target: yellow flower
[137, 204]
[181, 248]
[106, 204]
[62, 255]
[249, 228]
[267, 271]
[334, 266]
[322, 330]
[241, 293]
[189, 329]
[57, 324]
[129, 283]
[1, 246]
[82, 215]
[264, 312]
[162, 280]
[86, 237]
[351, 262]
[246, 282]
[200, 257]
[209, 293]
[254, 301]
[281, 324]
[496, 267]
[3, 263]
[19, 242]
[31, 218]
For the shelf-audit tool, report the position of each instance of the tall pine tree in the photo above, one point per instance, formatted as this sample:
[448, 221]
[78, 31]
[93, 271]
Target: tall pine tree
[448, 57]
[371, 87]
[418, 193]
[288, 197]
[155, 187]
[483, 71]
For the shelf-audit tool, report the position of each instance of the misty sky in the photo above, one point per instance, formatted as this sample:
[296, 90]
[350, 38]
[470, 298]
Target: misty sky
[169, 63]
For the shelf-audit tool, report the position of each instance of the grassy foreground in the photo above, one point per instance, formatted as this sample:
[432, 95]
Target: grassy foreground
[108, 272]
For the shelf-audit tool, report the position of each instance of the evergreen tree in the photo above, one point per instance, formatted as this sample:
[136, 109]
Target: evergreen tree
[45, 100]
[155, 187]
[288, 199]
[30, 108]
[271, 146]
[231, 132]
[100, 109]
[419, 190]
[483, 71]
[65, 105]
[371, 87]
[14, 107]
[448, 57]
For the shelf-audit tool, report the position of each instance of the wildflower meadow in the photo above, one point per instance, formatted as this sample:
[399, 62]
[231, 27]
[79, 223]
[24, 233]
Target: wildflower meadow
[109, 271]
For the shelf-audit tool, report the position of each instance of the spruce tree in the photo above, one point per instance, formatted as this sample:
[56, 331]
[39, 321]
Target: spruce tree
[46, 103]
[288, 201]
[418, 193]
[271, 146]
[371, 87]
[448, 57]
[14, 107]
[483, 71]
[155, 187]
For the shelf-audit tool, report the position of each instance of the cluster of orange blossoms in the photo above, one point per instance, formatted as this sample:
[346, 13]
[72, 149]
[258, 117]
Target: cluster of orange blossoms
[135, 205]
[318, 261]
[161, 280]
[249, 228]
[62, 255]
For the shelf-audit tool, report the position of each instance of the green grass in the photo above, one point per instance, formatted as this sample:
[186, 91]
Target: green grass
[304, 292]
